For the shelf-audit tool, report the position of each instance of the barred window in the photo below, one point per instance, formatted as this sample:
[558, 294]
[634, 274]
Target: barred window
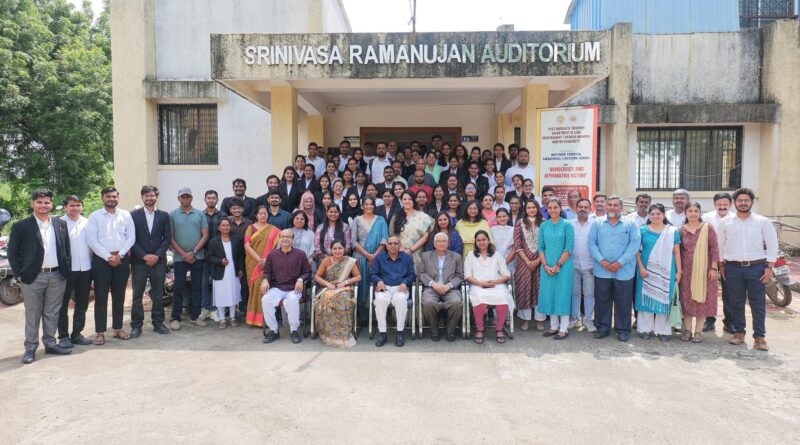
[187, 134]
[694, 158]
[757, 13]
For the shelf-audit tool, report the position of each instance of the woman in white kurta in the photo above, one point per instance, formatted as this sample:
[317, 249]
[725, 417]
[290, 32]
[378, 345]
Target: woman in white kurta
[486, 271]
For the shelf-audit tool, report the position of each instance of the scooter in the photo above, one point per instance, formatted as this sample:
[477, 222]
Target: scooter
[10, 292]
[780, 286]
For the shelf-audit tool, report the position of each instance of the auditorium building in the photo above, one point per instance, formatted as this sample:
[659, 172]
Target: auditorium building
[206, 91]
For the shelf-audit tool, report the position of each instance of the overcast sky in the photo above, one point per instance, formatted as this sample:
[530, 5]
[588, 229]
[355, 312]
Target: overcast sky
[445, 15]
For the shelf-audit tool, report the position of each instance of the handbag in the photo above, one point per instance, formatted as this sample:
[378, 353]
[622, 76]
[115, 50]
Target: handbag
[675, 313]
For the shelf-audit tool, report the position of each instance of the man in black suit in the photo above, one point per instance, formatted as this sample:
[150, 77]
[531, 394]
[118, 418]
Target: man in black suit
[149, 260]
[475, 177]
[388, 180]
[40, 257]
[239, 190]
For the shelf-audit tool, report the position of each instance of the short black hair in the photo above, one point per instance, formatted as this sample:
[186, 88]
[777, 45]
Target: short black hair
[106, 190]
[72, 198]
[640, 195]
[723, 195]
[240, 181]
[148, 189]
[744, 191]
[41, 193]
[212, 192]
[236, 201]
[547, 188]
[272, 192]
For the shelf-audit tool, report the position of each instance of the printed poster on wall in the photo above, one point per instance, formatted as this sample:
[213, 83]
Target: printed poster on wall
[568, 150]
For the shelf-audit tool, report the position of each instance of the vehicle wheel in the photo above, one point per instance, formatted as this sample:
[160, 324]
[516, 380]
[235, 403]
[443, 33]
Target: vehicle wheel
[9, 294]
[780, 294]
[167, 295]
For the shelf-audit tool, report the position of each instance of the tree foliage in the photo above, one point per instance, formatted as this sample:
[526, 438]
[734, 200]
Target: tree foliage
[55, 98]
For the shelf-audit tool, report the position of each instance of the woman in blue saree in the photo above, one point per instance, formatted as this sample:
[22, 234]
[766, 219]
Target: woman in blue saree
[369, 233]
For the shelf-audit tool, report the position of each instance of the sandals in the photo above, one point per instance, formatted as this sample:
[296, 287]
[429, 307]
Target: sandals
[501, 338]
[222, 324]
[99, 339]
[561, 337]
[121, 334]
[698, 337]
[478, 340]
[686, 336]
[525, 325]
[550, 333]
[540, 326]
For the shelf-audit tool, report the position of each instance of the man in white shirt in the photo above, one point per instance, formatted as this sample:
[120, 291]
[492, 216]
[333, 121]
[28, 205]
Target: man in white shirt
[314, 159]
[344, 156]
[582, 276]
[110, 234]
[79, 280]
[599, 201]
[722, 205]
[523, 167]
[378, 164]
[677, 216]
[639, 216]
[747, 266]
[391, 149]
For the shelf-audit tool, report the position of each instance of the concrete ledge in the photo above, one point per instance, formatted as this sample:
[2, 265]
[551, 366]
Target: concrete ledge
[184, 89]
[701, 114]
[607, 114]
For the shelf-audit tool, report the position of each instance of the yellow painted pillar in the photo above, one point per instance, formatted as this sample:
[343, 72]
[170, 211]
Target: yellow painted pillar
[505, 130]
[316, 130]
[285, 115]
[534, 96]
[135, 118]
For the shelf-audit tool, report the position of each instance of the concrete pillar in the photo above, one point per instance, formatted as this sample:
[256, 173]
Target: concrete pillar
[505, 129]
[620, 83]
[316, 129]
[534, 96]
[285, 115]
[780, 142]
[135, 118]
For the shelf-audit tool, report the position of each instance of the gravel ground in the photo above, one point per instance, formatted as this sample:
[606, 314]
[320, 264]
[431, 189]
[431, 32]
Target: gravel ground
[206, 385]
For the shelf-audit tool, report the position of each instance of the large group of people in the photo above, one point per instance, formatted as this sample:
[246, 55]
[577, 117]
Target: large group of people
[439, 217]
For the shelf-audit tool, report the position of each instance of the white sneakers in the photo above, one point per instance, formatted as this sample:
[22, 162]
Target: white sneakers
[204, 315]
[590, 326]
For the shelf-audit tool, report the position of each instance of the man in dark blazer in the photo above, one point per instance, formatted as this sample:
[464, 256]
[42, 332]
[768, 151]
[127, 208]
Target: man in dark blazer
[441, 276]
[40, 256]
[239, 190]
[149, 260]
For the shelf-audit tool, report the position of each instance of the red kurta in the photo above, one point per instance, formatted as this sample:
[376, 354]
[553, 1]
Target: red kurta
[690, 307]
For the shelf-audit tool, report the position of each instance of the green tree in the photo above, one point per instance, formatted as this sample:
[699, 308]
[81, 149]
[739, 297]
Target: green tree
[55, 98]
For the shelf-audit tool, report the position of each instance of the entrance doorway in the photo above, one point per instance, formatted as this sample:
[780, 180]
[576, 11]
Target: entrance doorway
[404, 135]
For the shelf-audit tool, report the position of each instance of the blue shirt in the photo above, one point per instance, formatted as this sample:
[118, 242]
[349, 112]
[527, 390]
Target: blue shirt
[394, 273]
[282, 220]
[617, 242]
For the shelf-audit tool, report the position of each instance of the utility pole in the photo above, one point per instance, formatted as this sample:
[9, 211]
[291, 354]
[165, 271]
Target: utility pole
[414, 17]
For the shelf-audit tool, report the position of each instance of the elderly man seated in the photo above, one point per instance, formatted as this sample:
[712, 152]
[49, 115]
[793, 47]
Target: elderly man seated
[285, 271]
[442, 273]
[393, 276]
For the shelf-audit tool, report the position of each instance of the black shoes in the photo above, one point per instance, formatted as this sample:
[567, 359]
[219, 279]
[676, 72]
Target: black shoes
[622, 337]
[381, 339]
[296, 337]
[708, 326]
[136, 332]
[65, 343]
[28, 357]
[451, 337]
[81, 341]
[271, 337]
[728, 329]
[400, 340]
[57, 350]
[435, 336]
[158, 328]
[601, 334]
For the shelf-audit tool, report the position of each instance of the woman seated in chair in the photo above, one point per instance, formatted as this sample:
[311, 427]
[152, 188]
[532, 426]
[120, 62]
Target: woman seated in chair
[333, 306]
[486, 271]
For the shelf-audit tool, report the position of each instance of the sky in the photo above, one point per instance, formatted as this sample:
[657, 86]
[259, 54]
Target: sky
[445, 15]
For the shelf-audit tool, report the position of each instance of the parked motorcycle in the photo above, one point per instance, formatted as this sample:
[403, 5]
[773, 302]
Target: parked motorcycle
[169, 281]
[779, 289]
[10, 292]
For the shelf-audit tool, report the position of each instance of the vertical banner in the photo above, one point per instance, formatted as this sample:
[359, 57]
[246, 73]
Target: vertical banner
[568, 150]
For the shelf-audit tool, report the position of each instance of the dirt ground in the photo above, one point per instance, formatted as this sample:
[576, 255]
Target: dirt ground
[206, 385]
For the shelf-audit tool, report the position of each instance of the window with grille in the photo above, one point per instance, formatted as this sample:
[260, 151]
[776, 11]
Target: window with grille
[187, 134]
[694, 158]
[757, 13]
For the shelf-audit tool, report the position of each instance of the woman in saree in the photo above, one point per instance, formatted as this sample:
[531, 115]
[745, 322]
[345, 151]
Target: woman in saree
[369, 233]
[333, 306]
[411, 226]
[259, 240]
